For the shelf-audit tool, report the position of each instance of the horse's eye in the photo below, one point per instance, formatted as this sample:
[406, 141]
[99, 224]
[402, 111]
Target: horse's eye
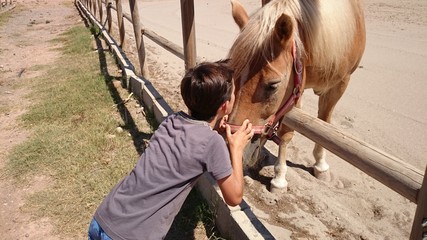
[272, 86]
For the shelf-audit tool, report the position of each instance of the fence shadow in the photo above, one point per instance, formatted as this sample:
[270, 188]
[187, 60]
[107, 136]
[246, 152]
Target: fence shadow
[138, 137]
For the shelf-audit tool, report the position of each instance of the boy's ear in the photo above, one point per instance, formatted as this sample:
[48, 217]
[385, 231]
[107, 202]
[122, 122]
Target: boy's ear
[227, 107]
[223, 107]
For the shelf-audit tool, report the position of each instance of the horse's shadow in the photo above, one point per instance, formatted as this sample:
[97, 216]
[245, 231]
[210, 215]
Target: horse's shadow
[267, 159]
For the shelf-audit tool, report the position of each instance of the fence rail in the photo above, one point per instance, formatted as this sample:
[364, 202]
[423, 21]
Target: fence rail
[389, 170]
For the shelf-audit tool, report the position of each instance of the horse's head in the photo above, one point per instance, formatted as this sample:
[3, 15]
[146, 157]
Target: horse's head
[263, 59]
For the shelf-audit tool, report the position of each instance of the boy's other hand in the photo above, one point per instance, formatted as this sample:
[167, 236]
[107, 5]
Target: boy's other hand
[241, 137]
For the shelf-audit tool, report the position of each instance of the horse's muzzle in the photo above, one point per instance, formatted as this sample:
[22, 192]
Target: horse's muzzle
[251, 152]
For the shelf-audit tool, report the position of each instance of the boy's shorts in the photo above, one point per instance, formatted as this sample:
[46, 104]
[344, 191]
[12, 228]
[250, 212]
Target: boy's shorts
[96, 232]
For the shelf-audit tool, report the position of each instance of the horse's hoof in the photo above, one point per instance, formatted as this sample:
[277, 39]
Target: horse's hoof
[278, 186]
[322, 175]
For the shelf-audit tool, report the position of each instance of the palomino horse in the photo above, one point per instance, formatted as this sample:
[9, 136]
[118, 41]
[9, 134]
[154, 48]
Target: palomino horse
[287, 46]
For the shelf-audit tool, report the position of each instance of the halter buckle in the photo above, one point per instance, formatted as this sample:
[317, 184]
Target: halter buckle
[270, 131]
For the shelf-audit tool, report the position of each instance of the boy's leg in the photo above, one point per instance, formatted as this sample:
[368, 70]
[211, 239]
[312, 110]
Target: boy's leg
[96, 232]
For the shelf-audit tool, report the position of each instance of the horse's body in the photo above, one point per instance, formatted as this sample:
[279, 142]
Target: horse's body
[330, 39]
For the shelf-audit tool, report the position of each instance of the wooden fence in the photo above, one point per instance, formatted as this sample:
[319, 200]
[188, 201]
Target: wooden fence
[4, 3]
[389, 170]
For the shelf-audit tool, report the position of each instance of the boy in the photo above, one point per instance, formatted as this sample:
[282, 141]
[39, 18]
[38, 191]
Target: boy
[144, 204]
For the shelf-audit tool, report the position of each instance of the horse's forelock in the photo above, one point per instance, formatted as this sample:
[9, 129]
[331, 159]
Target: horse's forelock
[326, 38]
[254, 42]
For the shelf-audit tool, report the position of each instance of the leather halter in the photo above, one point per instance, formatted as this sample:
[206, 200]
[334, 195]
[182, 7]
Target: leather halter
[270, 128]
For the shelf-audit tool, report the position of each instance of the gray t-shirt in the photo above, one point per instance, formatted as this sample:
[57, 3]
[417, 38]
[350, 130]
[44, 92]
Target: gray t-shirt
[144, 204]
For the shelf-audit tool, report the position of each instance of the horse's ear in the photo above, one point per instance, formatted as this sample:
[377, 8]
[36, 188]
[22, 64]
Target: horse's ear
[239, 13]
[283, 28]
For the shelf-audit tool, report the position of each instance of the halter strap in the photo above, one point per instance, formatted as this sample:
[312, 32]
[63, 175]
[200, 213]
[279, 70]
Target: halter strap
[270, 128]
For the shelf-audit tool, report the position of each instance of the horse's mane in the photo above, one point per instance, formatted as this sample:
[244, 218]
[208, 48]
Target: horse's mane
[324, 36]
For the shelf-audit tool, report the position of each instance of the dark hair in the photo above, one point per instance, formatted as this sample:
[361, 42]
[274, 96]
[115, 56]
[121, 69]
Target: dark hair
[206, 87]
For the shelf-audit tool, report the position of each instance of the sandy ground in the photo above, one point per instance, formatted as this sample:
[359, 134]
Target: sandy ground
[382, 106]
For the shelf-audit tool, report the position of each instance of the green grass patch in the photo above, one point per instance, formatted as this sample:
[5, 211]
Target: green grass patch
[74, 142]
[194, 216]
[4, 16]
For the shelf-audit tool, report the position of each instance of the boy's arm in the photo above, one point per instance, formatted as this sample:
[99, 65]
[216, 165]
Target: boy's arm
[232, 186]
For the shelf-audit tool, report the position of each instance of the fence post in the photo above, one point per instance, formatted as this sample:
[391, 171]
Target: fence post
[138, 37]
[419, 226]
[120, 22]
[110, 21]
[95, 8]
[188, 33]
[89, 5]
[100, 11]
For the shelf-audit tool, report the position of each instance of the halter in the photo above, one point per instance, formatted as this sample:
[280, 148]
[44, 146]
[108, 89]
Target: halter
[270, 128]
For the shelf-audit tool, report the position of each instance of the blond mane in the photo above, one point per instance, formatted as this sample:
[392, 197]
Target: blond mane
[325, 27]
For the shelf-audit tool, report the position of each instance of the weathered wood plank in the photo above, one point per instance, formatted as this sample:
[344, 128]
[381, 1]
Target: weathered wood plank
[419, 226]
[389, 170]
[188, 33]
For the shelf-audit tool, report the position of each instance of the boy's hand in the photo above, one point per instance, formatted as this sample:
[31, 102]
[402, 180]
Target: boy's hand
[232, 186]
[222, 125]
[241, 137]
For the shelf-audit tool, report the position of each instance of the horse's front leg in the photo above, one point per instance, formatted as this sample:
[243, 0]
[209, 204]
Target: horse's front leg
[279, 182]
[327, 102]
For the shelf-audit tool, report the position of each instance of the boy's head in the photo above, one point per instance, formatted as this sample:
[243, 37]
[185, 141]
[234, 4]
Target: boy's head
[206, 87]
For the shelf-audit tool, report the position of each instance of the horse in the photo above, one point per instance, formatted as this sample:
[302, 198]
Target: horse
[283, 48]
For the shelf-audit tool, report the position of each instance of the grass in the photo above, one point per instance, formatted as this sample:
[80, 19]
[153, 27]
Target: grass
[71, 120]
[4, 16]
[74, 144]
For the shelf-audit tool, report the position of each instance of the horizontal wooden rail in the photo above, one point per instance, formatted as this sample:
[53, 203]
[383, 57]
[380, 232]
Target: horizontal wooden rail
[166, 44]
[391, 171]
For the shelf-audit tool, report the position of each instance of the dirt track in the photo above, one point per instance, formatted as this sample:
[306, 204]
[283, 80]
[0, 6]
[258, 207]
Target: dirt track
[24, 44]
